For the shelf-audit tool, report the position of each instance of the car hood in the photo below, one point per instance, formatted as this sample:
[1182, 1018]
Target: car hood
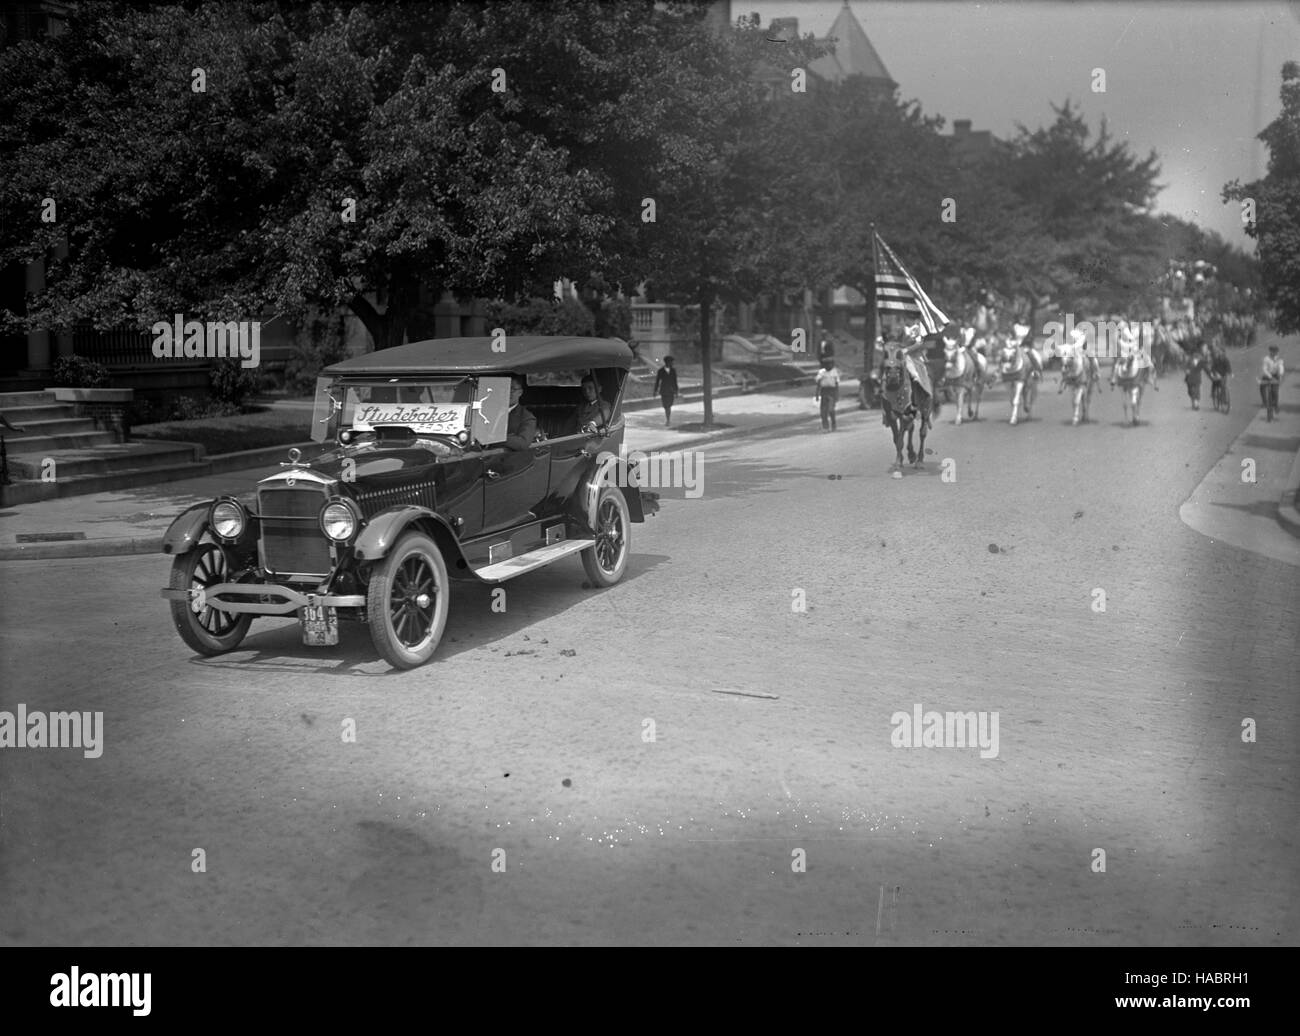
[366, 464]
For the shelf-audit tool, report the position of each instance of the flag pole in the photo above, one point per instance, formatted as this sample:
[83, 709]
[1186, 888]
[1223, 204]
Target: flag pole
[873, 314]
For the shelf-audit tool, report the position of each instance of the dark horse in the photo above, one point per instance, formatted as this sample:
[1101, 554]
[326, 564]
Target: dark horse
[904, 401]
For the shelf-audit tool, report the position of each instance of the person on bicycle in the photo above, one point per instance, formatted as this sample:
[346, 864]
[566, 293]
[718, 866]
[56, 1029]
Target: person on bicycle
[1271, 372]
[1220, 372]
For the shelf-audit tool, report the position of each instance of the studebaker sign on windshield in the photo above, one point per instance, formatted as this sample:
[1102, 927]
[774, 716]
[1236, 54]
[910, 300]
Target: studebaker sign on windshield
[429, 420]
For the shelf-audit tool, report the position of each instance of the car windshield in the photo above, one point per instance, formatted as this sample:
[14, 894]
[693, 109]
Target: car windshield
[428, 407]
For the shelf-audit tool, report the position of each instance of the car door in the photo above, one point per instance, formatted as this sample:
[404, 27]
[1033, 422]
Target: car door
[514, 481]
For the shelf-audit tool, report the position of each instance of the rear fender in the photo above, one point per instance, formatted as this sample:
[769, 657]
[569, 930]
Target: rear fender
[607, 473]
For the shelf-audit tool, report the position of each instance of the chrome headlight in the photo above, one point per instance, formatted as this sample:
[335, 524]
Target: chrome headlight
[338, 521]
[227, 519]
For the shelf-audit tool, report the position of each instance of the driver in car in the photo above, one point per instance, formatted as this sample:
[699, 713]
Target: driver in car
[521, 426]
[593, 412]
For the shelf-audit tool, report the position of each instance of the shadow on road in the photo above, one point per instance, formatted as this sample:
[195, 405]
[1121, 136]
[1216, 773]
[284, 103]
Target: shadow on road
[472, 624]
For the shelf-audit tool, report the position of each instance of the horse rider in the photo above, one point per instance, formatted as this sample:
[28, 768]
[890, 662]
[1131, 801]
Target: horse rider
[918, 368]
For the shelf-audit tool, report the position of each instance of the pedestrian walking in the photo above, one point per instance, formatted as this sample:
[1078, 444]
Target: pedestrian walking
[1270, 377]
[828, 392]
[666, 388]
[1196, 367]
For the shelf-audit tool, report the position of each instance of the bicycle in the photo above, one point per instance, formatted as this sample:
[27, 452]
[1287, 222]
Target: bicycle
[1268, 388]
[1219, 393]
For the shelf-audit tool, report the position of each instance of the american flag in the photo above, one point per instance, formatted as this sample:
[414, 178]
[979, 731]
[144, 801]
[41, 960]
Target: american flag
[898, 292]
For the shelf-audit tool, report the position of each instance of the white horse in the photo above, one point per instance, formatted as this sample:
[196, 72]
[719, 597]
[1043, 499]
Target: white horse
[1133, 371]
[1021, 366]
[1081, 373]
[965, 370]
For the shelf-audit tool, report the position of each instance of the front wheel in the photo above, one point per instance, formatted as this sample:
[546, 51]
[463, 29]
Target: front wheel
[205, 628]
[407, 602]
[606, 560]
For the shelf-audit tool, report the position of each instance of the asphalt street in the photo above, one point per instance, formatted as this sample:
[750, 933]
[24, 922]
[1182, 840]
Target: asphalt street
[644, 764]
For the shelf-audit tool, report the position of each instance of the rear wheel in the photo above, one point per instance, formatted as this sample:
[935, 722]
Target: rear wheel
[206, 629]
[606, 560]
[407, 601]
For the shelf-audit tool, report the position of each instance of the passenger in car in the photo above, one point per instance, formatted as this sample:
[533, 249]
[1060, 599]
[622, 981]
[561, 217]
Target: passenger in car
[593, 412]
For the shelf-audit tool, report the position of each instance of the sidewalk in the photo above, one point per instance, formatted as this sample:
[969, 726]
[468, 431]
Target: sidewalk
[132, 521]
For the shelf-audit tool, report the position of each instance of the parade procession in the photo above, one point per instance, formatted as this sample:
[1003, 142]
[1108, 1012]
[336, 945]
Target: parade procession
[647, 473]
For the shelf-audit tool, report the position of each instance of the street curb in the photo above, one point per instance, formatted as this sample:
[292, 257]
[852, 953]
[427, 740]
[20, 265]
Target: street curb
[734, 433]
[633, 405]
[153, 545]
[224, 462]
[82, 549]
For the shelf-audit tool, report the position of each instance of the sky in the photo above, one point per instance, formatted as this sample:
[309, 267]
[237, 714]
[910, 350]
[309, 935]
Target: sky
[1194, 80]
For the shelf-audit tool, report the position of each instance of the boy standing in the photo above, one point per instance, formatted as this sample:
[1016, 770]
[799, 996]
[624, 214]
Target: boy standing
[828, 391]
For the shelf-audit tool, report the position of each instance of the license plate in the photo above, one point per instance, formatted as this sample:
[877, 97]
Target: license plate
[320, 625]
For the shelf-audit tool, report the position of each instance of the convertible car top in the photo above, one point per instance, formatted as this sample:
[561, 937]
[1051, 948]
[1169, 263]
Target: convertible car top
[524, 354]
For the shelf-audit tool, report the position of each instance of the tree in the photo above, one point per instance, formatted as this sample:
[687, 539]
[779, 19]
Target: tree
[1093, 200]
[339, 153]
[1276, 198]
[726, 199]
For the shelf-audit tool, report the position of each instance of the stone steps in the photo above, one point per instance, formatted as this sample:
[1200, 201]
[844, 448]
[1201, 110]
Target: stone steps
[63, 423]
[80, 485]
[104, 460]
[25, 415]
[47, 444]
[10, 400]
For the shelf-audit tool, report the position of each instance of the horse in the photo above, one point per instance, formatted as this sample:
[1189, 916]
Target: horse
[1022, 367]
[1081, 373]
[965, 371]
[903, 400]
[1133, 372]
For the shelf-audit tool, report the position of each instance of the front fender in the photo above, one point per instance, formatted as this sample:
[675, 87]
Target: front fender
[385, 528]
[186, 529]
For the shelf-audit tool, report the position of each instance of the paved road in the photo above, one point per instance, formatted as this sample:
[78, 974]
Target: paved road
[1118, 730]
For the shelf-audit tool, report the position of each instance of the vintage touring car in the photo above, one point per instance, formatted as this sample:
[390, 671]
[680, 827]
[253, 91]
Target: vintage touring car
[431, 474]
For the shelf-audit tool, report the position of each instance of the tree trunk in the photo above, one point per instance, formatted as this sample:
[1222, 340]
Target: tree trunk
[870, 330]
[706, 358]
[387, 329]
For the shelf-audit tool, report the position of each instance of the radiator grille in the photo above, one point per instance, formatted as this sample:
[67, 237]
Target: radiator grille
[290, 503]
[292, 542]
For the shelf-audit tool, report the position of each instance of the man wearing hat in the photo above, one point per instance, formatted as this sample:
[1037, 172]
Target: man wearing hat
[1270, 378]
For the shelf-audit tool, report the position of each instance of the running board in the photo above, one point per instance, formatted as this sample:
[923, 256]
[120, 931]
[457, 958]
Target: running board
[517, 566]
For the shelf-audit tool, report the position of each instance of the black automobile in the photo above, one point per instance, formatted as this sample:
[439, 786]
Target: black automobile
[428, 478]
